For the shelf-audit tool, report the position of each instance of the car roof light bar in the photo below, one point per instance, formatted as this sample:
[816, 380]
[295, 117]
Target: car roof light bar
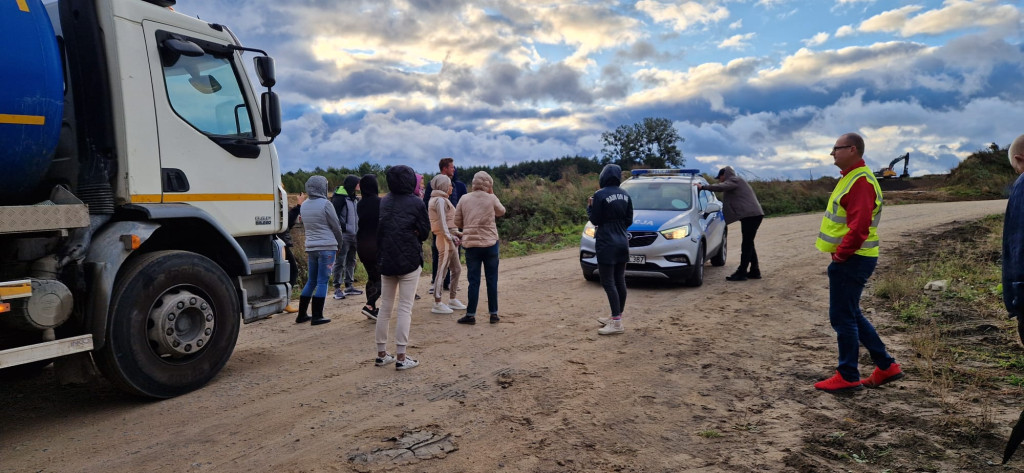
[663, 172]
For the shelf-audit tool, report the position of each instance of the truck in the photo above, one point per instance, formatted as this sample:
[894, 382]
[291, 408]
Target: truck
[143, 192]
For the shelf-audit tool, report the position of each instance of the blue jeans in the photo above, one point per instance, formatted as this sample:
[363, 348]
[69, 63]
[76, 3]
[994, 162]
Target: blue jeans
[488, 257]
[845, 285]
[320, 263]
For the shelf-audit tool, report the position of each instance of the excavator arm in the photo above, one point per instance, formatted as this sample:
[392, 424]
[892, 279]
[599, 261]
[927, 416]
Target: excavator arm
[888, 171]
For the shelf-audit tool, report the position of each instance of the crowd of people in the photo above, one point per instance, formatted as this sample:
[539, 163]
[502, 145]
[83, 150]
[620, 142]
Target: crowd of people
[387, 235]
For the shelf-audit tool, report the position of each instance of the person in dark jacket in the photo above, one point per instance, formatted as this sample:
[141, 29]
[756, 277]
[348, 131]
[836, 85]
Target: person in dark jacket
[344, 201]
[740, 204]
[447, 167]
[611, 210]
[368, 210]
[402, 229]
[286, 237]
[1013, 239]
[323, 232]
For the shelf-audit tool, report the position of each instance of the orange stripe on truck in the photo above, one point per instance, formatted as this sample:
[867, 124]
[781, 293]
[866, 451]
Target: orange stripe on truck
[22, 119]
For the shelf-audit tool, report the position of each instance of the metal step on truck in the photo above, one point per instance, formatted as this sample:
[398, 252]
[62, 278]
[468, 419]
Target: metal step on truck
[141, 192]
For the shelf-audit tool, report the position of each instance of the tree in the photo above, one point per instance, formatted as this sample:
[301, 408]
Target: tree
[651, 143]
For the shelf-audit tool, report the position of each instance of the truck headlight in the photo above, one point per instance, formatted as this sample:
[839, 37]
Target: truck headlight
[590, 230]
[676, 233]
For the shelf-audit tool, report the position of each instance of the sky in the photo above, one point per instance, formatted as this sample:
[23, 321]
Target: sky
[765, 86]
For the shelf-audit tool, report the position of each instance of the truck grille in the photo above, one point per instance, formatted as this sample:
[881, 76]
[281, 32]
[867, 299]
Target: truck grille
[641, 238]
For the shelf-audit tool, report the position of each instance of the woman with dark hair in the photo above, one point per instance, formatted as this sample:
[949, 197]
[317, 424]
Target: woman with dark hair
[368, 210]
[611, 210]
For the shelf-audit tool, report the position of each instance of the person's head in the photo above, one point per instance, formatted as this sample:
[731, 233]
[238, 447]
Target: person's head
[401, 179]
[441, 183]
[483, 182]
[368, 185]
[611, 175]
[419, 185]
[316, 187]
[447, 166]
[848, 150]
[350, 183]
[725, 173]
[1016, 154]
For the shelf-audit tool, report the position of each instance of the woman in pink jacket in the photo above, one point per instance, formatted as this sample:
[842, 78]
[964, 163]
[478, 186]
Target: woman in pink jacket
[475, 215]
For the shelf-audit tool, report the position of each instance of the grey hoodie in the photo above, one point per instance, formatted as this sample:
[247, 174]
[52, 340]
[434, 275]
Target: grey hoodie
[739, 201]
[320, 221]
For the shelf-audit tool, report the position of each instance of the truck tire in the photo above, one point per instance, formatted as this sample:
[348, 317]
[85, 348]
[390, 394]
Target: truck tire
[719, 258]
[173, 324]
[696, 277]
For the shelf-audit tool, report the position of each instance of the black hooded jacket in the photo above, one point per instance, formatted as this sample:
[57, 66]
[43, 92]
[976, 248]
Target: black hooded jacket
[612, 213]
[344, 201]
[368, 210]
[403, 225]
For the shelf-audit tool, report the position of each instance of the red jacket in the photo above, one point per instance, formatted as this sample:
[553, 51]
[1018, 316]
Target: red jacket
[859, 204]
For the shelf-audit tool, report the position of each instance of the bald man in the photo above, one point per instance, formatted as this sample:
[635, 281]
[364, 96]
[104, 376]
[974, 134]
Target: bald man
[1013, 238]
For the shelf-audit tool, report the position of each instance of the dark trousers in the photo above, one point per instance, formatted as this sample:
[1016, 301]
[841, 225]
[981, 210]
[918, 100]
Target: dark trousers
[488, 258]
[613, 279]
[845, 284]
[748, 255]
[372, 282]
[293, 267]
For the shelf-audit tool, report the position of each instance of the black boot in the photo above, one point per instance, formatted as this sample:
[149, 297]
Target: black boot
[303, 305]
[739, 275]
[754, 273]
[318, 311]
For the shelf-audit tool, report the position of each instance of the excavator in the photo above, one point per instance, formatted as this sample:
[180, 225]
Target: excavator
[889, 173]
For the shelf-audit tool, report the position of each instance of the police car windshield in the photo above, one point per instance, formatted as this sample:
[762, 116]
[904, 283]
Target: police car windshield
[650, 194]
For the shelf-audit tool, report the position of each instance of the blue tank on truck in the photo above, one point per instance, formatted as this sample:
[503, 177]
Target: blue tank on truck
[31, 94]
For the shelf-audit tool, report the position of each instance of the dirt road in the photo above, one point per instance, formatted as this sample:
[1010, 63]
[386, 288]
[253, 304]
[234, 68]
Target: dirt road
[716, 378]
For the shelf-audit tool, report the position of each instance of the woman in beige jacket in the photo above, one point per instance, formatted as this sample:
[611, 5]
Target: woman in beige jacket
[475, 215]
[446, 233]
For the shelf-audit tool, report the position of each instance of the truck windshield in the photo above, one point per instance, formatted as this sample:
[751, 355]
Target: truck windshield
[204, 91]
[659, 195]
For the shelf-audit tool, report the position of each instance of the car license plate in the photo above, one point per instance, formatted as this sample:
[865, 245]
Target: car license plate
[637, 259]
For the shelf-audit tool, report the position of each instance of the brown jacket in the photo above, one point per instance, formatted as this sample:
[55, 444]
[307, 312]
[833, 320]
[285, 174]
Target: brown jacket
[739, 199]
[475, 216]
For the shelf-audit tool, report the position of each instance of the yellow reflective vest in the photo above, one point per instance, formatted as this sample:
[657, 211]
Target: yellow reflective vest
[833, 224]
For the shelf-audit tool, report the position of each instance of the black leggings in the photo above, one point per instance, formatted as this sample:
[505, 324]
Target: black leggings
[748, 255]
[613, 278]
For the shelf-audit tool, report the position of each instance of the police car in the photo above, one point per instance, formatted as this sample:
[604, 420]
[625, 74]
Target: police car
[675, 229]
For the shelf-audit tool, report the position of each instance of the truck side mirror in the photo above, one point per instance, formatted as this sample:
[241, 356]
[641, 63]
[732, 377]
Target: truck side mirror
[171, 49]
[271, 114]
[265, 70]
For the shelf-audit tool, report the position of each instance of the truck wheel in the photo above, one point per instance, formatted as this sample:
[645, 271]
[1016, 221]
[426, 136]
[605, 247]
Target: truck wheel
[719, 259]
[697, 275]
[173, 324]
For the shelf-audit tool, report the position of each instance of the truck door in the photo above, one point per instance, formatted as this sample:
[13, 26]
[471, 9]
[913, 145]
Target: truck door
[207, 118]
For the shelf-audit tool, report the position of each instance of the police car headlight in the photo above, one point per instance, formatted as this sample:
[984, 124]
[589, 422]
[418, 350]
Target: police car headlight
[676, 233]
[590, 230]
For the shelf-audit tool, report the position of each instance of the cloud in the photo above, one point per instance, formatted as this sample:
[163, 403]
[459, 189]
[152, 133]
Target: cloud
[683, 15]
[954, 15]
[816, 40]
[739, 41]
[844, 31]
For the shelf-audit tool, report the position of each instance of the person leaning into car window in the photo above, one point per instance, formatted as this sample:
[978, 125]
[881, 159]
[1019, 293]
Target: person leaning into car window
[611, 210]
[740, 204]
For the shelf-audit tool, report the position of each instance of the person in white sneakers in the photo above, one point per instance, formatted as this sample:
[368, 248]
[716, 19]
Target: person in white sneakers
[442, 223]
[611, 210]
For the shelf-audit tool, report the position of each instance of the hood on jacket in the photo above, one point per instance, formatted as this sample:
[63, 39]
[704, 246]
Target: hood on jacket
[419, 185]
[368, 185]
[611, 175]
[316, 187]
[350, 183]
[725, 173]
[441, 183]
[401, 179]
[482, 181]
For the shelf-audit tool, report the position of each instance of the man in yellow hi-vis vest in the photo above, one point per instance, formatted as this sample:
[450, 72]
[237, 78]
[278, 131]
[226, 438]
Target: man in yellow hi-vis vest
[849, 232]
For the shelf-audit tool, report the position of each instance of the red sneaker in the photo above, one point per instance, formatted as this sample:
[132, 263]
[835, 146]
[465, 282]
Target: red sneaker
[880, 376]
[837, 384]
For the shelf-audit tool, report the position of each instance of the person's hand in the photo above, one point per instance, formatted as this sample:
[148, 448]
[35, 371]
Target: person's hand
[590, 201]
[302, 197]
[456, 240]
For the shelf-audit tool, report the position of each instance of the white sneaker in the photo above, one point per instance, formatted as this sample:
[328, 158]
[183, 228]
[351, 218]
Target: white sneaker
[456, 304]
[604, 320]
[387, 359]
[614, 327]
[441, 308]
[407, 363]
